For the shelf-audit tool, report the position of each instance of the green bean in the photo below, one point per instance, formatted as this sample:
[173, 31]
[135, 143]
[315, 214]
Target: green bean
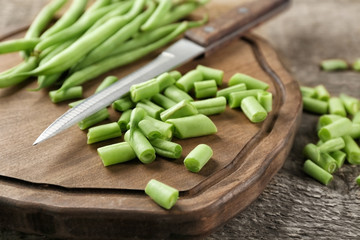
[314, 105]
[211, 73]
[336, 107]
[356, 118]
[332, 145]
[235, 98]
[124, 120]
[164, 80]
[176, 94]
[352, 150]
[10, 79]
[308, 92]
[165, 129]
[253, 109]
[352, 105]
[356, 66]
[156, 18]
[123, 104]
[178, 13]
[339, 158]
[150, 108]
[70, 16]
[97, 5]
[137, 115]
[198, 157]
[105, 65]
[144, 90]
[166, 148]
[46, 81]
[175, 74]
[179, 110]
[226, 91]
[250, 82]
[317, 172]
[74, 104]
[210, 106]
[71, 93]
[74, 31]
[106, 83]
[338, 128]
[186, 82]
[18, 45]
[107, 47]
[265, 100]
[327, 119]
[162, 194]
[163, 101]
[334, 65]
[149, 130]
[116, 153]
[205, 89]
[94, 119]
[322, 93]
[58, 48]
[192, 126]
[103, 132]
[142, 147]
[355, 131]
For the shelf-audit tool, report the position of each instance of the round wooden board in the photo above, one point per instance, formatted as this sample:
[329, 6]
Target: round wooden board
[60, 188]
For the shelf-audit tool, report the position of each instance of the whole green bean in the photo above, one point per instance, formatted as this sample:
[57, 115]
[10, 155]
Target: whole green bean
[97, 5]
[46, 81]
[109, 80]
[71, 93]
[18, 45]
[105, 65]
[161, 10]
[178, 12]
[70, 16]
[11, 80]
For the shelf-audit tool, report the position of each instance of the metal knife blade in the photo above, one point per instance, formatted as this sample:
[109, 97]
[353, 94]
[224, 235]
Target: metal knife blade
[208, 38]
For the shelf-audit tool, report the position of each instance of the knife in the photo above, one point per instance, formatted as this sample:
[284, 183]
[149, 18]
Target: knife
[197, 42]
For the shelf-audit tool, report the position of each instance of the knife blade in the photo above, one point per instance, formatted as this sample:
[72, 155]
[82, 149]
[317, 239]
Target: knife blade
[197, 42]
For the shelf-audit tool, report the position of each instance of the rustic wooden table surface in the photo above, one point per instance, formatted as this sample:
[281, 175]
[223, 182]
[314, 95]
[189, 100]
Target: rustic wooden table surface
[292, 205]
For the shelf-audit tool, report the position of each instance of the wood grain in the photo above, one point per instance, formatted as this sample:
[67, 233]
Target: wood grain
[61, 189]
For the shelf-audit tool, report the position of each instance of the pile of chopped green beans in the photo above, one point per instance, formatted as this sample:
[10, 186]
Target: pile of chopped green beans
[169, 106]
[338, 130]
[88, 41]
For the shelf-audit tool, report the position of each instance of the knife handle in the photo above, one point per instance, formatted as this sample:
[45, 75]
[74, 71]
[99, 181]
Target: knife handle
[235, 22]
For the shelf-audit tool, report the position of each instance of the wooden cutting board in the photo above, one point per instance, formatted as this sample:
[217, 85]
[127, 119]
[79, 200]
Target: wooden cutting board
[61, 189]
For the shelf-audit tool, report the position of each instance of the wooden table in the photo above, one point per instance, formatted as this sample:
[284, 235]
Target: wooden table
[293, 205]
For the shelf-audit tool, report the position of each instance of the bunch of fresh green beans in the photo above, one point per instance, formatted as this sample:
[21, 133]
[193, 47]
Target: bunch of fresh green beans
[89, 41]
[338, 129]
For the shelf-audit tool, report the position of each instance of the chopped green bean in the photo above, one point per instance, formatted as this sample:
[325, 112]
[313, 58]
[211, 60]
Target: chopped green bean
[332, 145]
[352, 105]
[356, 67]
[175, 74]
[163, 101]
[103, 132]
[141, 146]
[235, 98]
[186, 82]
[94, 119]
[137, 115]
[352, 150]
[155, 19]
[124, 120]
[338, 128]
[253, 109]
[165, 129]
[198, 157]
[149, 130]
[71, 93]
[327, 162]
[226, 91]
[150, 108]
[356, 118]
[312, 152]
[355, 131]
[179, 110]
[205, 89]
[336, 107]
[106, 83]
[250, 82]
[123, 104]
[176, 94]
[211, 73]
[317, 172]
[210, 106]
[192, 126]
[327, 119]
[116, 153]
[322, 93]
[18, 45]
[314, 105]
[73, 104]
[164, 80]
[308, 92]
[162, 194]
[166, 148]
[265, 100]
[334, 65]
[144, 90]
[339, 157]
